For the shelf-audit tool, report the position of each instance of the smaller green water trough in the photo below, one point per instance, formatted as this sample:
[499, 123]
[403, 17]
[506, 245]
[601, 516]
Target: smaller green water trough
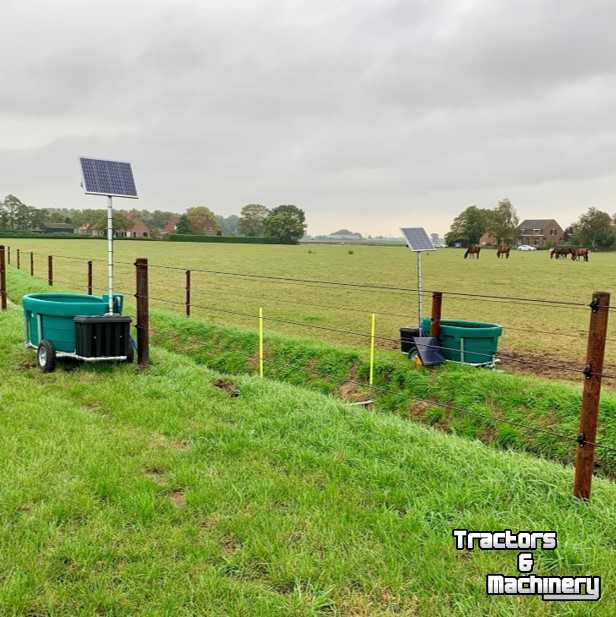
[76, 326]
[471, 342]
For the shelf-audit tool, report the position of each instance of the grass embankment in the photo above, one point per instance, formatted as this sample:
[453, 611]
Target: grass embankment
[160, 493]
[485, 396]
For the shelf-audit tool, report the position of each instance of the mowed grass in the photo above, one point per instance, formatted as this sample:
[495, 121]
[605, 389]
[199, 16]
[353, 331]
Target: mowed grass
[535, 332]
[159, 493]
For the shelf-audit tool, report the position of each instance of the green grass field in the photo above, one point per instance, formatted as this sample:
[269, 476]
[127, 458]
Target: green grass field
[161, 494]
[539, 333]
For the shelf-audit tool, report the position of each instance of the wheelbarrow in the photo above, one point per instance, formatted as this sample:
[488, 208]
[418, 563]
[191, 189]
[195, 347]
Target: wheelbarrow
[64, 325]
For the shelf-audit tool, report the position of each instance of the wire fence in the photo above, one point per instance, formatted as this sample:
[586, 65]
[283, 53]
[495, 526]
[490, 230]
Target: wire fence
[207, 291]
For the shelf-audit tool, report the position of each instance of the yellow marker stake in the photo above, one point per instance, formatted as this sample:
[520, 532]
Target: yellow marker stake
[260, 342]
[372, 334]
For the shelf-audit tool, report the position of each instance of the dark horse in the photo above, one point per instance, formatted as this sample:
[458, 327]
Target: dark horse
[503, 249]
[582, 253]
[472, 251]
[561, 251]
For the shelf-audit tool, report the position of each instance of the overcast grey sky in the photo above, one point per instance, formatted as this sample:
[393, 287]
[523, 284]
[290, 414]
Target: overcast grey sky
[368, 114]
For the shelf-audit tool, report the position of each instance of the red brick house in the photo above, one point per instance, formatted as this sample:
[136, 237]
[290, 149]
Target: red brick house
[540, 233]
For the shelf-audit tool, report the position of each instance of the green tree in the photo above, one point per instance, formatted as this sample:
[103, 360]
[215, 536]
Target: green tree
[595, 229]
[202, 220]
[252, 220]
[184, 226]
[503, 222]
[121, 222]
[469, 226]
[285, 223]
[17, 215]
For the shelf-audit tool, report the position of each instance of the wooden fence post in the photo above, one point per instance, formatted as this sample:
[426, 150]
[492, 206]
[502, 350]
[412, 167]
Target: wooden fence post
[187, 293]
[31, 263]
[585, 455]
[18, 260]
[143, 312]
[50, 270]
[8, 250]
[89, 278]
[2, 280]
[437, 306]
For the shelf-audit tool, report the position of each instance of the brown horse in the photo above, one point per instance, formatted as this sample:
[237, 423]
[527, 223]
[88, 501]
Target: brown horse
[561, 251]
[580, 252]
[472, 251]
[503, 249]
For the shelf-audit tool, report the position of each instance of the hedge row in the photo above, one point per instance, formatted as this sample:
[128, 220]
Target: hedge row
[230, 239]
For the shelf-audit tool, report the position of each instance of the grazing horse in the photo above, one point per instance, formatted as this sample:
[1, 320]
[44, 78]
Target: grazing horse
[503, 249]
[561, 251]
[472, 251]
[581, 253]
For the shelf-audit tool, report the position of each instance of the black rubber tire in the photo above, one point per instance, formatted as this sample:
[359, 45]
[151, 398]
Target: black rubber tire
[46, 356]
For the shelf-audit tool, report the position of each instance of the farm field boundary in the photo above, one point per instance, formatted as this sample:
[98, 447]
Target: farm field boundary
[503, 410]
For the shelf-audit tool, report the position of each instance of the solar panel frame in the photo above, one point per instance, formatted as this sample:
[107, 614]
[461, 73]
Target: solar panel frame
[109, 178]
[417, 239]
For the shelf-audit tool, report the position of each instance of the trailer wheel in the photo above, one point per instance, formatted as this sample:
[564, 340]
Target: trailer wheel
[414, 356]
[46, 356]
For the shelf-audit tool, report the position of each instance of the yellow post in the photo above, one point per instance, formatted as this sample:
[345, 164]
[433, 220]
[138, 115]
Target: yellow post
[260, 342]
[372, 335]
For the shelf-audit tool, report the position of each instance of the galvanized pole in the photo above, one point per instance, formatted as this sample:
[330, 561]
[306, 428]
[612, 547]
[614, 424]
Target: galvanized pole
[419, 287]
[2, 280]
[110, 251]
[585, 455]
[143, 312]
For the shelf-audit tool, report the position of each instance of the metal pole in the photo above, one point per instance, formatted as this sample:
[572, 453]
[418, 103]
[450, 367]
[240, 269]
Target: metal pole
[110, 251]
[143, 312]
[372, 337]
[585, 455]
[2, 280]
[260, 342]
[419, 287]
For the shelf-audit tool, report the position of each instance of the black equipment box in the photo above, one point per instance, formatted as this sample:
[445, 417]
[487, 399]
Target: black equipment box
[407, 336]
[102, 337]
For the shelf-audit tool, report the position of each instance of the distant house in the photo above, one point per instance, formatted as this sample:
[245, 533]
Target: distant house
[138, 230]
[488, 239]
[57, 228]
[540, 233]
[170, 227]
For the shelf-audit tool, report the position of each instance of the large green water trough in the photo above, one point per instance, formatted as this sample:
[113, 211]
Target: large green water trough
[471, 342]
[50, 316]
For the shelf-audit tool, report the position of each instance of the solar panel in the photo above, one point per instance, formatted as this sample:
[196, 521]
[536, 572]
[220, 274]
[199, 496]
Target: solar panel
[107, 178]
[417, 239]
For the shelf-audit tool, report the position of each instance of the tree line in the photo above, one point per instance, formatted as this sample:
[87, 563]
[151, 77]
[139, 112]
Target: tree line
[285, 223]
[594, 229]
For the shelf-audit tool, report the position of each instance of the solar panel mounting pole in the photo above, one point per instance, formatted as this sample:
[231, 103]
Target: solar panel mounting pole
[419, 288]
[110, 250]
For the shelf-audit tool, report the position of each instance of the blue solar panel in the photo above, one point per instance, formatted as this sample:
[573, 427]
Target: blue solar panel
[417, 239]
[108, 178]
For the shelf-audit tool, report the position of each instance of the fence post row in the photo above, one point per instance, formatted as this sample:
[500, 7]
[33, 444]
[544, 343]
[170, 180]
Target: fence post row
[89, 278]
[50, 271]
[2, 279]
[143, 312]
[187, 293]
[585, 455]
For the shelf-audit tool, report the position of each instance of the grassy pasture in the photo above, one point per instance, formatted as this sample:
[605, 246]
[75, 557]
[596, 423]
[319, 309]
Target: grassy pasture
[160, 494]
[534, 332]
